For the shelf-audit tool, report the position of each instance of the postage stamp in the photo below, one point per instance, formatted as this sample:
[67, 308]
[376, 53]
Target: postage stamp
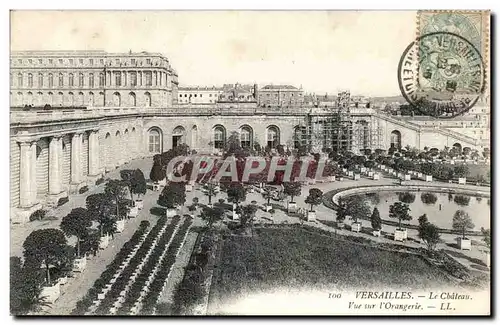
[443, 72]
[473, 25]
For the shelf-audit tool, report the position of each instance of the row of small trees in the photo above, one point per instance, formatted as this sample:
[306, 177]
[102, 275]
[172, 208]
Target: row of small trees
[49, 247]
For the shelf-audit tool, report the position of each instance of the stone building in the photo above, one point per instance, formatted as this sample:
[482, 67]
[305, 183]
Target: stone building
[280, 95]
[199, 95]
[91, 79]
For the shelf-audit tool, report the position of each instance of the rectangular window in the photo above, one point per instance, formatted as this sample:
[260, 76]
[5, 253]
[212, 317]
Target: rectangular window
[148, 61]
[133, 79]
[51, 61]
[60, 61]
[30, 61]
[118, 78]
[132, 61]
[20, 61]
[81, 61]
[71, 61]
[149, 78]
[91, 61]
[101, 61]
[117, 61]
[40, 61]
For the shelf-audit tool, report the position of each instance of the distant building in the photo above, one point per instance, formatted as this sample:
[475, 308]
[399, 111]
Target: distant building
[239, 93]
[199, 95]
[280, 95]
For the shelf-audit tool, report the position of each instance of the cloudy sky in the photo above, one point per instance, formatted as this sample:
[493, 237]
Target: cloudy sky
[322, 51]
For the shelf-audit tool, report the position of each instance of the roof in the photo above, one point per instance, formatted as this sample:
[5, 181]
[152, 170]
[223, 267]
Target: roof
[279, 87]
[206, 88]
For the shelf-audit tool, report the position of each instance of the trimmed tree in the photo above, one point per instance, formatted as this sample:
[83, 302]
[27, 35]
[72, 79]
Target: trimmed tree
[400, 211]
[127, 176]
[25, 288]
[77, 223]
[209, 190]
[292, 189]
[139, 183]
[100, 209]
[462, 222]
[173, 195]
[375, 219]
[357, 208]
[236, 193]
[212, 215]
[247, 215]
[428, 198]
[116, 191]
[267, 195]
[314, 198]
[429, 234]
[406, 197]
[157, 172]
[45, 247]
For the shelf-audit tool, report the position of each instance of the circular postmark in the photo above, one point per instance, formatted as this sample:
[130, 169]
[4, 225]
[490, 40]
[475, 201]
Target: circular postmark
[441, 74]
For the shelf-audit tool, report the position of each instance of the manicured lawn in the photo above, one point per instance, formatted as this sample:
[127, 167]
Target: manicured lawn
[297, 258]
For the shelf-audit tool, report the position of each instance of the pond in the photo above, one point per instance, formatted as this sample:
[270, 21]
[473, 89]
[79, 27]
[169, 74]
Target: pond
[440, 207]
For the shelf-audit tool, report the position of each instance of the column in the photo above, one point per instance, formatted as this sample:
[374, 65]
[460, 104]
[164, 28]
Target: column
[93, 153]
[76, 145]
[27, 197]
[33, 183]
[55, 152]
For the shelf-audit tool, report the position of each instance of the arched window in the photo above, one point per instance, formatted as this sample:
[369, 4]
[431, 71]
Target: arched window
[101, 79]
[50, 98]
[61, 80]
[91, 99]
[132, 99]
[117, 100]
[396, 139]
[80, 80]
[147, 99]
[246, 136]
[39, 99]
[154, 141]
[19, 79]
[71, 99]
[29, 98]
[219, 137]
[71, 80]
[60, 98]
[91, 80]
[30, 80]
[40, 80]
[81, 101]
[51, 80]
[273, 136]
[19, 98]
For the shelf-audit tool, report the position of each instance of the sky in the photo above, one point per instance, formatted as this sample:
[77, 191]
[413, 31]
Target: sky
[322, 51]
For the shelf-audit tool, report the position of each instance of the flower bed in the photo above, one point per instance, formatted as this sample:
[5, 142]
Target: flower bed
[123, 281]
[84, 304]
[142, 279]
[158, 284]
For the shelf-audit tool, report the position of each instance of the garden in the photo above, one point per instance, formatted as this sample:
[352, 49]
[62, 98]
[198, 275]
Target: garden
[294, 257]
